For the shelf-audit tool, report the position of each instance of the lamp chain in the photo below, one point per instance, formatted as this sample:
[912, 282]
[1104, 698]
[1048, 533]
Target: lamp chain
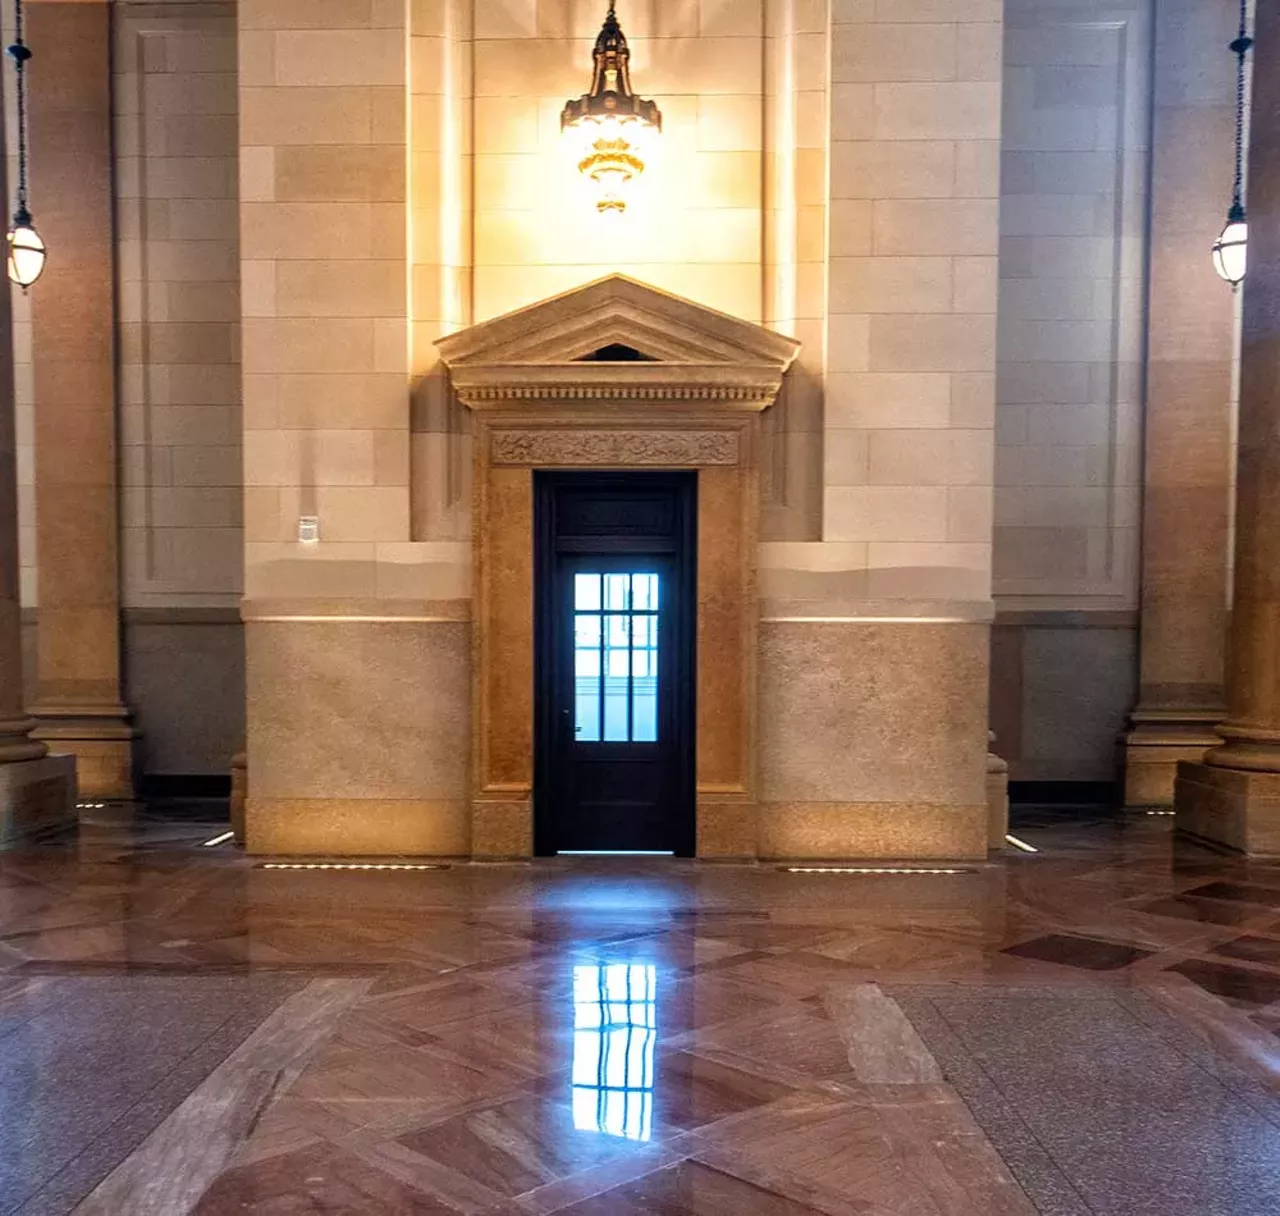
[21, 54]
[1241, 47]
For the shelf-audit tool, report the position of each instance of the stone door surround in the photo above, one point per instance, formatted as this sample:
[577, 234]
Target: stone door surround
[690, 399]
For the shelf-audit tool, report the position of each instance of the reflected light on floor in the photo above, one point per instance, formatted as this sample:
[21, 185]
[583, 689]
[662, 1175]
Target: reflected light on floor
[874, 870]
[615, 1031]
[345, 865]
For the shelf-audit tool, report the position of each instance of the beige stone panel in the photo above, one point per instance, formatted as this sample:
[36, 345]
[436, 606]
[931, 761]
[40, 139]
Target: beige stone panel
[340, 402]
[850, 231]
[258, 288]
[978, 169]
[719, 65]
[935, 227]
[355, 174]
[730, 18]
[362, 513]
[886, 513]
[957, 343]
[310, 458]
[506, 125]
[885, 831]
[317, 14]
[348, 58]
[976, 284]
[933, 10]
[980, 51]
[853, 112]
[308, 345]
[340, 231]
[729, 123]
[357, 827]
[340, 289]
[929, 571]
[873, 712]
[973, 400]
[279, 116]
[884, 400]
[969, 513]
[256, 60]
[891, 285]
[846, 458]
[937, 111]
[891, 52]
[507, 19]
[848, 344]
[324, 571]
[909, 458]
[870, 169]
[437, 572]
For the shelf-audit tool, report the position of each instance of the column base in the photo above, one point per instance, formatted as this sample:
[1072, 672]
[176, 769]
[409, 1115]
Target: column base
[239, 793]
[36, 794]
[1155, 747]
[102, 745]
[1237, 808]
[997, 802]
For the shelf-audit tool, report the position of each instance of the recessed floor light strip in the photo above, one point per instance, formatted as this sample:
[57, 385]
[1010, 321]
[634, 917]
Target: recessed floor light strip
[1162, 814]
[91, 806]
[347, 865]
[209, 844]
[874, 870]
[1021, 844]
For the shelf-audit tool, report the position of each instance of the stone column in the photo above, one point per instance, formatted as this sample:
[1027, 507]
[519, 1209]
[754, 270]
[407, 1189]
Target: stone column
[1234, 796]
[78, 693]
[1188, 419]
[34, 787]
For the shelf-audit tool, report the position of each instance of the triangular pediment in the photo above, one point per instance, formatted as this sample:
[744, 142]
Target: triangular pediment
[617, 311]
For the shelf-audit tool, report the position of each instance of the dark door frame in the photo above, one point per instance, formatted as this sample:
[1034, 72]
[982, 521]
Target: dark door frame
[547, 546]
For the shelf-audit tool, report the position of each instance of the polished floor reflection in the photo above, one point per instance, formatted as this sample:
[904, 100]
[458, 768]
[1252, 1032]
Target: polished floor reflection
[1092, 1029]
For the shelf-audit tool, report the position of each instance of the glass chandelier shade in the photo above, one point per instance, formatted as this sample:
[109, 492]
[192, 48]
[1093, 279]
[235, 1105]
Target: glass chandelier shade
[26, 250]
[610, 124]
[1231, 249]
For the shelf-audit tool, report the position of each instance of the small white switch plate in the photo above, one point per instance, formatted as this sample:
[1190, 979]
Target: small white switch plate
[309, 529]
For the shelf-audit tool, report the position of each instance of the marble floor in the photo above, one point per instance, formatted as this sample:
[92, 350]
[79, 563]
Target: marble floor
[1089, 1029]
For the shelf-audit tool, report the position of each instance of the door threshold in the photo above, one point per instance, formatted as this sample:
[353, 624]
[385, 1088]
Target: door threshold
[615, 853]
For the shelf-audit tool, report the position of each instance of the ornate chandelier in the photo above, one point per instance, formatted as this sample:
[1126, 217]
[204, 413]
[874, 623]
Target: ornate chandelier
[611, 122]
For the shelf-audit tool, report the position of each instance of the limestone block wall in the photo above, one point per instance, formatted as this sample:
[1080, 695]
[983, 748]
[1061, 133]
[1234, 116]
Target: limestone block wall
[1073, 222]
[178, 272]
[335, 259]
[855, 752]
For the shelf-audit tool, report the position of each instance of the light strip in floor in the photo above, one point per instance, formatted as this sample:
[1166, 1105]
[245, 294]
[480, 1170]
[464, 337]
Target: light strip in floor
[347, 865]
[1162, 814]
[873, 870]
[1021, 844]
[208, 844]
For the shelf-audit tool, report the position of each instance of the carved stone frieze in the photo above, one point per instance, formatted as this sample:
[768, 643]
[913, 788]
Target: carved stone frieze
[574, 448]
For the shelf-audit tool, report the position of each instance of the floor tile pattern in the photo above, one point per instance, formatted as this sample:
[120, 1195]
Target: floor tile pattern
[1091, 1029]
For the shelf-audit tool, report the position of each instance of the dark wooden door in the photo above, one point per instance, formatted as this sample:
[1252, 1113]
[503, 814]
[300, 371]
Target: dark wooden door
[615, 605]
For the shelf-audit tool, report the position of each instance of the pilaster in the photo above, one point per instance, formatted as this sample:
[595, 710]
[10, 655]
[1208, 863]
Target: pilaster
[78, 692]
